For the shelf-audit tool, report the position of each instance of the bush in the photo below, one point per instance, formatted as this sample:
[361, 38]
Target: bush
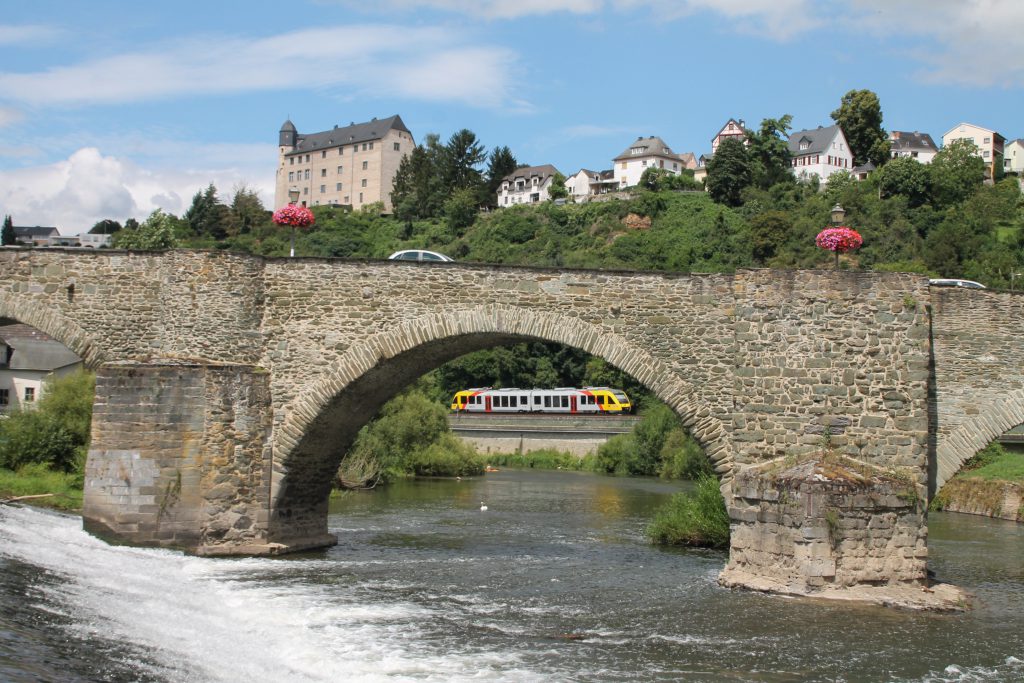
[683, 458]
[446, 457]
[696, 518]
[54, 433]
[542, 459]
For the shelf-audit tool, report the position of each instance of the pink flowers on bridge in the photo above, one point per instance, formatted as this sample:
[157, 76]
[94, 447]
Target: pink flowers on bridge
[839, 240]
[294, 216]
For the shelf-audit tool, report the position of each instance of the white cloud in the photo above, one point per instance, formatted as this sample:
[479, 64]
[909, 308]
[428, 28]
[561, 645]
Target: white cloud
[28, 34]
[10, 115]
[350, 57]
[89, 186]
[968, 42]
[489, 9]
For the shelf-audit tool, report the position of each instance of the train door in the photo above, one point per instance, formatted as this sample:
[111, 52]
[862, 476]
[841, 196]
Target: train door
[487, 404]
[572, 403]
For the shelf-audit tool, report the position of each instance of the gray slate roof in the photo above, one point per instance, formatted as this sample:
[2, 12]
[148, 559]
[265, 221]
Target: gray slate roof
[653, 146]
[818, 140]
[903, 141]
[544, 171]
[35, 350]
[34, 232]
[348, 135]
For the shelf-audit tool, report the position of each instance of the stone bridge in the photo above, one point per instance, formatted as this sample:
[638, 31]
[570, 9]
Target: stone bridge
[230, 386]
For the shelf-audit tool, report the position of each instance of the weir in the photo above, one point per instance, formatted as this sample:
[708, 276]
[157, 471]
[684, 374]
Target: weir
[230, 386]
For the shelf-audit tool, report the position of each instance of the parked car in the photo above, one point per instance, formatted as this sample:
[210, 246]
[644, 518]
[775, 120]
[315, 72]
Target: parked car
[955, 282]
[419, 255]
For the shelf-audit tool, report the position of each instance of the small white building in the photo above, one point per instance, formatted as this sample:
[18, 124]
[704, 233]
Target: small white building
[527, 185]
[733, 129]
[990, 144]
[915, 145]
[1013, 159]
[819, 152]
[644, 153]
[586, 183]
[29, 359]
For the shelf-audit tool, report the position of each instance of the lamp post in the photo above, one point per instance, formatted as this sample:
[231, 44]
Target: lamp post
[838, 215]
[293, 196]
[1013, 276]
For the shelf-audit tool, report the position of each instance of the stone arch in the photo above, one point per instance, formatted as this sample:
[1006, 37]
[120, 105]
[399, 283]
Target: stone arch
[54, 323]
[996, 415]
[393, 358]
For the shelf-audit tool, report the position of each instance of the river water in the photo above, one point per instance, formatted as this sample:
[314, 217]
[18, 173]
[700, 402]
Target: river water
[553, 582]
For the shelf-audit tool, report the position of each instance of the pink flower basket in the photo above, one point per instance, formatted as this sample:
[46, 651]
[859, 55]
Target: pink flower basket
[839, 240]
[294, 216]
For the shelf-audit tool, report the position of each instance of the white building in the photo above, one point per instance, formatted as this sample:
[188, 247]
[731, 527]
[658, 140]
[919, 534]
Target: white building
[990, 144]
[915, 145]
[28, 359]
[644, 153]
[527, 185]
[586, 183]
[1013, 157]
[820, 152]
[732, 129]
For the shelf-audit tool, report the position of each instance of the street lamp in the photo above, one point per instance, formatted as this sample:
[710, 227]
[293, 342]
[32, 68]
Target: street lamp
[838, 215]
[293, 196]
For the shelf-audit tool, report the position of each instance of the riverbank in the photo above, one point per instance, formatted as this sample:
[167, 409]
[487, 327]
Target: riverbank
[65, 490]
[991, 485]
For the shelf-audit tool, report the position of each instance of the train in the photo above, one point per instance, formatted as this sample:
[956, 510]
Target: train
[563, 400]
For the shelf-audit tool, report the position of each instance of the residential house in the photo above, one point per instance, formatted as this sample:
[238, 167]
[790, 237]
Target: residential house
[915, 145]
[990, 145]
[354, 165]
[819, 152]
[644, 153]
[1013, 157]
[35, 236]
[586, 183]
[732, 129]
[527, 185]
[28, 359]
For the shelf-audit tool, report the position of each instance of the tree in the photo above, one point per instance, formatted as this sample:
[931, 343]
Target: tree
[246, 212]
[460, 162]
[156, 232]
[460, 210]
[860, 116]
[904, 176]
[419, 191]
[500, 163]
[769, 150]
[8, 236]
[957, 171]
[558, 190]
[207, 216]
[729, 172]
[106, 226]
[768, 232]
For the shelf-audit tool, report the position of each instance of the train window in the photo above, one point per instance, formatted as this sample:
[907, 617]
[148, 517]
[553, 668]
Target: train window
[536, 400]
[565, 401]
[547, 401]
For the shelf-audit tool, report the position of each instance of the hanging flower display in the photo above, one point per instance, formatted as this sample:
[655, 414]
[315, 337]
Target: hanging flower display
[839, 240]
[294, 216]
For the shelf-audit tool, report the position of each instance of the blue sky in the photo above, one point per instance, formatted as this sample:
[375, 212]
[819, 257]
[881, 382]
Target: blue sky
[111, 109]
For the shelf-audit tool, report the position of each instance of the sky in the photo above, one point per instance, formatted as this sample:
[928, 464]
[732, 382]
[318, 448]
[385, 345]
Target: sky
[111, 109]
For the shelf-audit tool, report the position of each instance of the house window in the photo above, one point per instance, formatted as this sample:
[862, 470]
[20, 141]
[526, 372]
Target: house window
[365, 165]
[5, 397]
[364, 146]
[363, 182]
[305, 190]
[337, 188]
[396, 147]
[323, 154]
[506, 200]
[323, 172]
[988, 140]
[346, 199]
[623, 166]
[643, 163]
[307, 174]
[985, 154]
[339, 170]
[30, 394]
[371, 145]
[341, 150]
[291, 176]
[360, 197]
[804, 144]
[323, 188]
[291, 161]
[307, 158]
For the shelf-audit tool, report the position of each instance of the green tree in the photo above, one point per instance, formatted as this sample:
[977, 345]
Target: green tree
[860, 116]
[768, 233]
[55, 432]
[500, 163]
[460, 162]
[156, 232]
[106, 226]
[460, 210]
[957, 171]
[904, 176]
[769, 150]
[246, 212]
[8, 236]
[558, 190]
[729, 172]
[419, 190]
[208, 217]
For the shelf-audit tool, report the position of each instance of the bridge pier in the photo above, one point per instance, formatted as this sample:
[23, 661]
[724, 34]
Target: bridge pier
[181, 457]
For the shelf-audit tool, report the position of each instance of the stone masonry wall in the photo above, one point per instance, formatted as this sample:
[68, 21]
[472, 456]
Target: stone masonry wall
[979, 373]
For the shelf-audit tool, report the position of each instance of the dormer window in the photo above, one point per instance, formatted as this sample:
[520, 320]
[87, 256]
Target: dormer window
[637, 150]
[804, 144]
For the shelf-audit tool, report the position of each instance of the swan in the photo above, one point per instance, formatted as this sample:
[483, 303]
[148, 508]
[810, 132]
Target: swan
[483, 506]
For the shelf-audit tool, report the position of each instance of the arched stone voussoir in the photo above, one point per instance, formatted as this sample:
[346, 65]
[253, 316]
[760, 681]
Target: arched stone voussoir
[995, 417]
[489, 326]
[49, 320]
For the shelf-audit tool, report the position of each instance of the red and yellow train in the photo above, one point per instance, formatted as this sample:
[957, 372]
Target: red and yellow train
[564, 400]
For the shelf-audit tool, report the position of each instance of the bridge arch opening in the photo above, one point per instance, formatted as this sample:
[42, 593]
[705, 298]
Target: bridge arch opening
[323, 420]
[52, 322]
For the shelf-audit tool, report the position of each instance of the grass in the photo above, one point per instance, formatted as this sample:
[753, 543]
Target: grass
[695, 518]
[36, 479]
[543, 459]
[1006, 467]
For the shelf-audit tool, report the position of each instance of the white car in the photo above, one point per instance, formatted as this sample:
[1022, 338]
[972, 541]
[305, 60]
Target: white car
[419, 255]
[955, 282]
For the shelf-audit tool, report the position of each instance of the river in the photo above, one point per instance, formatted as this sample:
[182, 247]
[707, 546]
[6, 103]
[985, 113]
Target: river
[553, 582]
